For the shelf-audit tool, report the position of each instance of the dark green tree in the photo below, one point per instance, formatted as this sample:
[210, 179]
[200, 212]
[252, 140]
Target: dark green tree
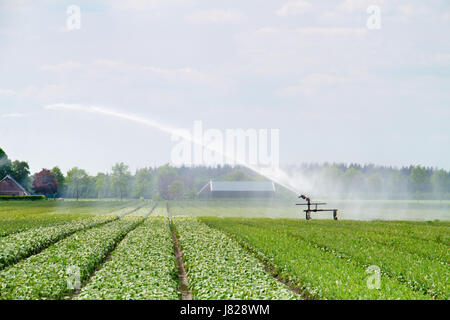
[60, 179]
[418, 179]
[238, 175]
[143, 183]
[5, 164]
[176, 190]
[121, 179]
[166, 175]
[76, 179]
[20, 170]
[440, 180]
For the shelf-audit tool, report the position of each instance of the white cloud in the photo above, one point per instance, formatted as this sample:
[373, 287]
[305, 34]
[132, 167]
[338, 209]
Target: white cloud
[441, 57]
[351, 6]
[29, 91]
[410, 10]
[319, 79]
[53, 91]
[66, 66]
[140, 5]
[312, 83]
[15, 115]
[338, 32]
[311, 31]
[7, 92]
[293, 8]
[216, 16]
[100, 66]
[446, 16]
[183, 74]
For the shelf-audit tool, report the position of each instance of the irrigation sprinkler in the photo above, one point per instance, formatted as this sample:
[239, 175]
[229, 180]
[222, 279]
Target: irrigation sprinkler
[315, 209]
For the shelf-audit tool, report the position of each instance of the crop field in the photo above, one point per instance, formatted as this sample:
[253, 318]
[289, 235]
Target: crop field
[215, 250]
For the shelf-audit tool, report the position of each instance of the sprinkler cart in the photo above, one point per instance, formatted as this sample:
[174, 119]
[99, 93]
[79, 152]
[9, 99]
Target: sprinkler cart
[315, 209]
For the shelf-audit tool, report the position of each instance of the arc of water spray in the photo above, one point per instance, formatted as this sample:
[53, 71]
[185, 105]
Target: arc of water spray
[275, 174]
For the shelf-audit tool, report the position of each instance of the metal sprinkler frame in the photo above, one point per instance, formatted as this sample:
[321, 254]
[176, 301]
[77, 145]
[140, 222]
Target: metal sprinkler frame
[315, 209]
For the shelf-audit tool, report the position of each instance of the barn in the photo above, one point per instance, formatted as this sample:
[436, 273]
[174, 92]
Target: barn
[237, 189]
[10, 187]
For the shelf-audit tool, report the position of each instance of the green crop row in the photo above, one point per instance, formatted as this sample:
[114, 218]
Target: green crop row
[317, 272]
[12, 225]
[53, 273]
[143, 266]
[22, 198]
[19, 217]
[218, 268]
[24, 244]
[393, 255]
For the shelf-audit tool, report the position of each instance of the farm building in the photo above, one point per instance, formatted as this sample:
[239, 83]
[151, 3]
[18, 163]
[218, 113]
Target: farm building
[10, 187]
[237, 189]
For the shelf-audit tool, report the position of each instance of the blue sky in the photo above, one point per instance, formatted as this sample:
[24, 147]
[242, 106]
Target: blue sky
[338, 91]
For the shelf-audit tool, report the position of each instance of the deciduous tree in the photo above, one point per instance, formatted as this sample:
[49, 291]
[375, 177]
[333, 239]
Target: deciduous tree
[45, 183]
[440, 181]
[166, 175]
[176, 190]
[121, 178]
[60, 179]
[75, 179]
[20, 170]
[143, 183]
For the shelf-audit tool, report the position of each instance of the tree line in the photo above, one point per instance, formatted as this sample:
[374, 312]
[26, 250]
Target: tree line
[168, 182]
[371, 181]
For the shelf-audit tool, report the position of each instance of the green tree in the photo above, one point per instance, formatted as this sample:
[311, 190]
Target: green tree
[353, 180]
[238, 175]
[100, 184]
[143, 183]
[20, 170]
[375, 183]
[121, 179]
[76, 178]
[440, 180]
[5, 164]
[3, 154]
[330, 181]
[60, 179]
[397, 183]
[166, 175]
[418, 179]
[191, 194]
[176, 190]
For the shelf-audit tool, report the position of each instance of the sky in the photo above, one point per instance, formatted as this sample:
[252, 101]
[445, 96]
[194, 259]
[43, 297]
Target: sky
[337, 90]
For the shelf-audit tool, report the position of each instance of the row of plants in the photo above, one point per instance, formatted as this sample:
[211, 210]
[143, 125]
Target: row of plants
[18, 217]
[218, 268]
[429, 273]
[424, 240]
[430, 231]
[318, 273]
[143, 266]
[23, 198]
[13, 224]
[21, 245]
[57, 272]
